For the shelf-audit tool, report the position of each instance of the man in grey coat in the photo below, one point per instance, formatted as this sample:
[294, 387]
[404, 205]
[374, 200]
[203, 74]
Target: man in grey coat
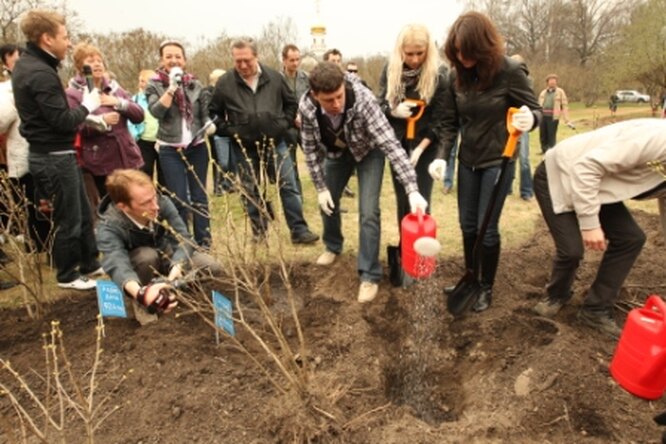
[580, 187]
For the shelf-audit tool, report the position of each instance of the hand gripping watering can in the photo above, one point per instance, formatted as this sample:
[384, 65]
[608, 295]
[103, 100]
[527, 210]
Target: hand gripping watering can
[639, 363]
[419, 244]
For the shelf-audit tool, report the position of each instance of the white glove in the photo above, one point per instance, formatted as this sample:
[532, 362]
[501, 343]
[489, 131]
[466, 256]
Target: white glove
[523, 120]
[97, 122]
[326, 202]
[211, 129]
[403, 110]
[91, 99]
[176, 272]
[437, 169]
[175, 77]
[416, 154]
[417, 202]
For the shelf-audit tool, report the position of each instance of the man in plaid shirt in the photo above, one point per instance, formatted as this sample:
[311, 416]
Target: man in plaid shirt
[343, 126]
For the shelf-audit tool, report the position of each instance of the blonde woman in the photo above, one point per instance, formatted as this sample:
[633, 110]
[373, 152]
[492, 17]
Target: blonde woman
[145, 133]
[413, 75]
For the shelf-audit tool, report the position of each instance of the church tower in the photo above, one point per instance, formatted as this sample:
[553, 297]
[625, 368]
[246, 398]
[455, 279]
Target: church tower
[318, 33]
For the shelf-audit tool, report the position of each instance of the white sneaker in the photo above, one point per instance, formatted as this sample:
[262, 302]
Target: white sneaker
[367, 291]
[326, 258]
[82, 283]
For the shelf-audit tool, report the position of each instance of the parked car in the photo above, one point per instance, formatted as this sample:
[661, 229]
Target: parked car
[632, 96]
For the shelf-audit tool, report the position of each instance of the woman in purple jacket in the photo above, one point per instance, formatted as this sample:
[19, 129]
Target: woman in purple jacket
[105, 142]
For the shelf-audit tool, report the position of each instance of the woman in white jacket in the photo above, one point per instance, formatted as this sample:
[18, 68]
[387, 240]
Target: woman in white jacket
[21, 182]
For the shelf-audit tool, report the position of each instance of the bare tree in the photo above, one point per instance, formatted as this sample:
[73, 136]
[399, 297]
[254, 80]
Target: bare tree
[593, 24]
[127, 53]
[274, 36]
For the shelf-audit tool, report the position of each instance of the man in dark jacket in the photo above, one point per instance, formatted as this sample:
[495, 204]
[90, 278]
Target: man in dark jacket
[141, 236]
[259, 108]
[49, 126]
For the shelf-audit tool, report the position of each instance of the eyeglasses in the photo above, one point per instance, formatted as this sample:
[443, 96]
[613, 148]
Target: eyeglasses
[352, 71]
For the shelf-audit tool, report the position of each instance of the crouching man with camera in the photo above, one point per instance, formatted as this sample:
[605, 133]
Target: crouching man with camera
[142, 237]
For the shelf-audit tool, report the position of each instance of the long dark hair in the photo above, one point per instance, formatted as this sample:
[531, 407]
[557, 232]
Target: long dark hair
[478, 40]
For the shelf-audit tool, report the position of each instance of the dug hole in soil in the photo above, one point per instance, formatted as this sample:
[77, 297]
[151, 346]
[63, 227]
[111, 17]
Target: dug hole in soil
[397, 370]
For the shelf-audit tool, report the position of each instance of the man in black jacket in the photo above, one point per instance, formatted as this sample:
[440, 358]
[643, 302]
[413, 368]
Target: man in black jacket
[259, 108]
[49, 126]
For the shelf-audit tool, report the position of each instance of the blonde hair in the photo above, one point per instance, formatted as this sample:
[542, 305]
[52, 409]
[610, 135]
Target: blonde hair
[146, 74]
[40, 21]
[214, 75]
[84, 50]
[118, 184]
[413, 34]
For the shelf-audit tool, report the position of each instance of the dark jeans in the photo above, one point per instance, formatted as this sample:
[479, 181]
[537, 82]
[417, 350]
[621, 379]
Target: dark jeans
[149, 263]
[475, 186]
[423, 180]
[151, 160]
[74, 250]
[548, 132]
[370, 172]
[625, 241]
[185, 172]
[280, 165]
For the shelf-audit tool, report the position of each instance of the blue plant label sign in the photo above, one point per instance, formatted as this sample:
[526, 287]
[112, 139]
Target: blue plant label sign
[223, 313]
[111, 300]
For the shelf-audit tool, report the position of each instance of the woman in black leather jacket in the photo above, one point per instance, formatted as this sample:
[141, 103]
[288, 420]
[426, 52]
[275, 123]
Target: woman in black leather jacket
[483, 84]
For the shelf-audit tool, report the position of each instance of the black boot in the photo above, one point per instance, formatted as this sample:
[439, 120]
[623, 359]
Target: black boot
[468, 248]
[395, 269]
[489, 261]
[485, 299]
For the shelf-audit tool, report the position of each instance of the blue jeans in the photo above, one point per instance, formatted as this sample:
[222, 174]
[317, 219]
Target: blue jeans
[249, 163]
[58, 178]
[370, 172]
[226, 159]
[475, 186]
[189, 186]
[526, 191]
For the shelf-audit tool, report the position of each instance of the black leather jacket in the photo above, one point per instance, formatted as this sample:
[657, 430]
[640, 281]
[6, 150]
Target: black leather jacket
[251, 116]
[480, 116]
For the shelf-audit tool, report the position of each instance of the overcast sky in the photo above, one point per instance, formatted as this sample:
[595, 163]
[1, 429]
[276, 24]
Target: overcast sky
[356, 27]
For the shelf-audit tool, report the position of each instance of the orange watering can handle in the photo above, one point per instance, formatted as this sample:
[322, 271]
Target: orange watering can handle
[411, 121]
[514, 134]
[657, 302]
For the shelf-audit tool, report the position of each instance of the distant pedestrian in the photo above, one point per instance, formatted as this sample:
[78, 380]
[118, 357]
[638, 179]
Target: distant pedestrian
[555, 104]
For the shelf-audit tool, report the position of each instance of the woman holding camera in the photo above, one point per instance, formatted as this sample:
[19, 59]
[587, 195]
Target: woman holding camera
[174, 98]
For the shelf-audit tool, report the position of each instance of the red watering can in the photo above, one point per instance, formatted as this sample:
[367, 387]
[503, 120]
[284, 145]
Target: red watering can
[419, 244]
[639, 363]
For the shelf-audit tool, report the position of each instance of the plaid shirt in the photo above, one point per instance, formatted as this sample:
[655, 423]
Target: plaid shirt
[366, 128]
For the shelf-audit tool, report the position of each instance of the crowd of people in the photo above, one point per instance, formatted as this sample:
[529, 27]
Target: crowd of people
[95, 153]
